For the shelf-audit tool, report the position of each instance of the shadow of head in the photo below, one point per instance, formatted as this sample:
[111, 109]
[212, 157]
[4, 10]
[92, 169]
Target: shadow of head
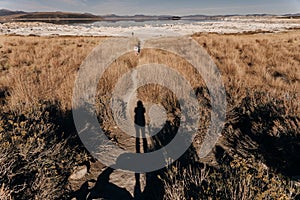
[107, 190]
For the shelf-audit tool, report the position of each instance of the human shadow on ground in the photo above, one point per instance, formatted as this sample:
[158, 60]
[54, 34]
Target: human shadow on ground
[154, 187]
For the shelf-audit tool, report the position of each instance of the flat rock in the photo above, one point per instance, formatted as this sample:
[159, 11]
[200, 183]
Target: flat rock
[79, 172]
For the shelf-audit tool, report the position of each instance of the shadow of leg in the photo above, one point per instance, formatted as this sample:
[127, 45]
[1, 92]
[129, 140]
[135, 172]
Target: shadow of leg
[137, 140]
[137, 145]
[145, 144]
[137, 187]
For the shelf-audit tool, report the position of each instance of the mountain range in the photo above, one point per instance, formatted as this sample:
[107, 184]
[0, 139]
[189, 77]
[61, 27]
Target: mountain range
[8, 15]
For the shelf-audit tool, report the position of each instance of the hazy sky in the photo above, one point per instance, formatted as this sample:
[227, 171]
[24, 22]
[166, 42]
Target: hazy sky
[173, 7]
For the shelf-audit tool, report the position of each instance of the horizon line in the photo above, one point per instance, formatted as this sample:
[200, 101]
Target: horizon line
[233, 14]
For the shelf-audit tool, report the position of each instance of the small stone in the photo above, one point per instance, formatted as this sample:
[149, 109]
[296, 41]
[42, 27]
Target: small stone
[79, 172]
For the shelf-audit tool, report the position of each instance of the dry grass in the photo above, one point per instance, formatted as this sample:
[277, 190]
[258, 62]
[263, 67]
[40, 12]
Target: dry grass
[35, 68]
[268, 61]
[238, 181]
[42, 68]
[261, 76]
[4, 193]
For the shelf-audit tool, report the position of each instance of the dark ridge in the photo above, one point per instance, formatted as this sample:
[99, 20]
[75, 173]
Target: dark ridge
[56, 15]
[5, 12]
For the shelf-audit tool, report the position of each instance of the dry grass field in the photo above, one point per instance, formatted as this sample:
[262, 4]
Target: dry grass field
[256, 158]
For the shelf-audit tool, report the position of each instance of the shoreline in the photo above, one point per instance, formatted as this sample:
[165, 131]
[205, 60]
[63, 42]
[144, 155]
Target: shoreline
[227, 26]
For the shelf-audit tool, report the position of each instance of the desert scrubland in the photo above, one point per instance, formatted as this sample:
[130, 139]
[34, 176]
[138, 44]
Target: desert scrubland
[257, 156]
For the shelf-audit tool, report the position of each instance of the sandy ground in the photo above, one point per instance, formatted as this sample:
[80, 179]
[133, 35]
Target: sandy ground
[229, 25]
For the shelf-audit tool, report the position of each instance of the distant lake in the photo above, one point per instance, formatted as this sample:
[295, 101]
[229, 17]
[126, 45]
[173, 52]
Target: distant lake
[118, 23]
[155, 23]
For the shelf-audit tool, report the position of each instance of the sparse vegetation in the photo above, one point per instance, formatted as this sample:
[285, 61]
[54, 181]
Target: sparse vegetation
[256, 158]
